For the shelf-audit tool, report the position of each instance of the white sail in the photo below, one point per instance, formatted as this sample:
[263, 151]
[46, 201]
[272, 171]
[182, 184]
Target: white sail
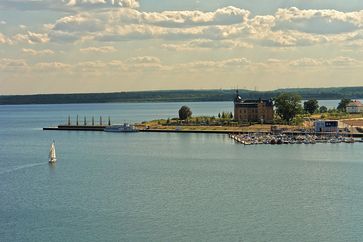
[52, 156]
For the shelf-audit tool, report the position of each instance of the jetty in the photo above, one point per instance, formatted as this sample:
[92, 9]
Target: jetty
[77, 128]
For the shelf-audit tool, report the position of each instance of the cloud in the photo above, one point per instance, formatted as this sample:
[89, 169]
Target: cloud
[223, 16]
[51, 66]
[146, 64]
[288, 27]
[323, 21]
[306, 62]
[226, 65]
[67, 5]
[206, 44]
[37, 52]
[4, 39]
[83, 22]
[103, 3]
[143, 60]
[102, 49]
[2, 22]
[31, 38]
[13, 65]
[225, 28]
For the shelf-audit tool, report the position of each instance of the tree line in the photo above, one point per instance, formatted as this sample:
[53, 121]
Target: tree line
[288, 106]
[180, 96]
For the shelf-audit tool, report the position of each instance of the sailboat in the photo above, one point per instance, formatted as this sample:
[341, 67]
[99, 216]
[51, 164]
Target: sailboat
[52, 157]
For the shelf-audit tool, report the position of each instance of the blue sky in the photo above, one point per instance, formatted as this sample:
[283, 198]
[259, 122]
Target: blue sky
[64, 46]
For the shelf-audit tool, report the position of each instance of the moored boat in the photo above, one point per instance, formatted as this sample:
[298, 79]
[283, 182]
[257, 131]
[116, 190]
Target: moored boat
[121, 128]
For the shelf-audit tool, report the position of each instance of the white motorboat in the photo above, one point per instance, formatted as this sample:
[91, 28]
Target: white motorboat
[121, 128]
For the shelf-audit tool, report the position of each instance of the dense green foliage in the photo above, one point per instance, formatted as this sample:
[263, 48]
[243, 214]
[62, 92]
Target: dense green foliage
[288, 105]
[181, 96]
[343, 104]
[311, 106]
[185, 113]
[323, 109]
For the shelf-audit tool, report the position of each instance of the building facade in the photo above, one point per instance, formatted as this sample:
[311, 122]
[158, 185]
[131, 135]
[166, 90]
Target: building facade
[331, 126]
[354, 107]
[261, 111]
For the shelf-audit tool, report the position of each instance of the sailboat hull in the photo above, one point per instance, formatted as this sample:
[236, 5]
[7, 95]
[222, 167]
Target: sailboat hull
[53, 161]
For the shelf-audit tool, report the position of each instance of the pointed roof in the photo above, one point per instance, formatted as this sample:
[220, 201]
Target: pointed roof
[355, 103]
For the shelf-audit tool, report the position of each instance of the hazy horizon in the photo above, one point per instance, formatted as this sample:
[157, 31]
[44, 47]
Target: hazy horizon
[93, 46]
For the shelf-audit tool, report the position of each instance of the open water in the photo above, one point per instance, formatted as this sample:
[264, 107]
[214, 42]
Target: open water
[169, 187]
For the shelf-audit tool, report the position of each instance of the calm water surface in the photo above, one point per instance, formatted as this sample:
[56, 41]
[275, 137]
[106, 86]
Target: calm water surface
[169, 187]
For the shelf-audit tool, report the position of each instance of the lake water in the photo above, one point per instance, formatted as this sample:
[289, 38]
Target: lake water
[169, 187]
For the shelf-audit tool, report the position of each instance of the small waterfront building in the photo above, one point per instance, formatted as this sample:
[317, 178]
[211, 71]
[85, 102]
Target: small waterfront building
[354, 107]
[326, 126]
[261, 111]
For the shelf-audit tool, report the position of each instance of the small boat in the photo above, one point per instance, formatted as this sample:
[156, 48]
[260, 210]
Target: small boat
[349, 140]
[121, 128]
[52, 156]
[334, 141]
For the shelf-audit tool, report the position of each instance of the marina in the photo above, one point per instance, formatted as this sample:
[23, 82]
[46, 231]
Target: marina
[258, 138]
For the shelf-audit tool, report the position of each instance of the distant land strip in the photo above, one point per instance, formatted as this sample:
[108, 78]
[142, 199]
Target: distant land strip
[179, 96]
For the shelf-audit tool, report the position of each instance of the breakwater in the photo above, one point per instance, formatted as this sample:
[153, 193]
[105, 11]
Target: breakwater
[205, 131]
[77, 128]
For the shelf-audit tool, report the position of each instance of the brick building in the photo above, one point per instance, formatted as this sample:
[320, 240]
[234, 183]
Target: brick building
[260, 110]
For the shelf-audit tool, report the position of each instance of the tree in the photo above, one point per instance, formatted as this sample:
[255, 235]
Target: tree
[343, 104]
[311, 106]
[288, 105]
[231, 115]
[223, 115]
[185, 113]
[323, 109]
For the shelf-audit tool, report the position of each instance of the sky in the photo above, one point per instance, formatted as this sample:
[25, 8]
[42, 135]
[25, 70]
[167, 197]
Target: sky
[80, 46]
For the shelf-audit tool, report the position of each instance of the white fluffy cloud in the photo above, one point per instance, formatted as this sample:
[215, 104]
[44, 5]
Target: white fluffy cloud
[67, 5]
[4, 39]
[38, 52]
[102, 49]
[31, 37]
[207, 44]
[103, 3]
[288, 27]
[318, 21]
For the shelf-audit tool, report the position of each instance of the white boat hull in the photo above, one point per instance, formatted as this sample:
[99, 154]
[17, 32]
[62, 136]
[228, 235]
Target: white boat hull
[53, 161]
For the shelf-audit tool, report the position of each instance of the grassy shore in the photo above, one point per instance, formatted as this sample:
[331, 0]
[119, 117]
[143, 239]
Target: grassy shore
[217, 125]
[228, 125]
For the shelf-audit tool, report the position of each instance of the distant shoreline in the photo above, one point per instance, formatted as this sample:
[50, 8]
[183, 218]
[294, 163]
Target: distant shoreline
[332, 93]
